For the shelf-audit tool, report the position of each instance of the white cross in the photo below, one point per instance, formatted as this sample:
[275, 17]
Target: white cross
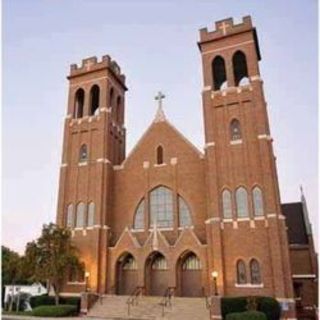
[160, 96]
[223, 26]
[88, 64]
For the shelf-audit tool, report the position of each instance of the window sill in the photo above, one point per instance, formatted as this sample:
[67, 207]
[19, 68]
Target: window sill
[234, 142]
[137, 230]
[186, 227]
[81, 164]
[162, 229]
[159, 165]
[243, 219]
[78, 283]
[249, 285]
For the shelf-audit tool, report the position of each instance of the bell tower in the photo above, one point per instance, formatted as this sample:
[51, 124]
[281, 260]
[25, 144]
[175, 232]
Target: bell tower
[244, 214]
[94, 142]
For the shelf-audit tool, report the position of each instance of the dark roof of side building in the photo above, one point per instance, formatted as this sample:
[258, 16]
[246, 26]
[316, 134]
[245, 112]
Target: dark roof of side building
[297, 233]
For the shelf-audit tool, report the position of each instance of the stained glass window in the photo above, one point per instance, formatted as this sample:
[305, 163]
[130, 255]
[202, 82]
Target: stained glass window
[80, 215]
[227, 204]
[192, 263]
[83, 155]
[257, 201]
[139, 216]
[241, 272]
[242, 202]
[70, 216]
[159, 263]
[184, 213]
[235, 131]
[255, 272]
[91, 213]
[130, 263]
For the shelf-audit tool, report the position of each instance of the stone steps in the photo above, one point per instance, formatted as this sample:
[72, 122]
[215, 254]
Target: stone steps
[149, 308]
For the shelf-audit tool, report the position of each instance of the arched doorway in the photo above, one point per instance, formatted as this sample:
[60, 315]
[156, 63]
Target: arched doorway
[189, 275]
[127, 275]
[156, 274]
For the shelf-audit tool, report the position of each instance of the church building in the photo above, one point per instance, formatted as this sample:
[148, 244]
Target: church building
[169, 215]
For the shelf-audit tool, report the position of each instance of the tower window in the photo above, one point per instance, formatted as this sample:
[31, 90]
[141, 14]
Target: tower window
[240, 70]
[241, 272]
[227, 204]
[111, 97]
[79, 103]
[242, 202]
[80, 215]
[257, 201]
[94, 100]
[159, 155]
[118, 109]
[83, 155]
[219, 73]
[235, 131]
[255, 272]
[91, 213]
[184, 213]
[69, 219]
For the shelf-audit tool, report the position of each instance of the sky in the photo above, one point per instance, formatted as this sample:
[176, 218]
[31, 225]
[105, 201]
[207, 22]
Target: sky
[155, 43]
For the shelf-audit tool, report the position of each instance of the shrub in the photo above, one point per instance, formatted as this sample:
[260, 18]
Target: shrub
[43, 300]
[74, 301]
[55, 311]
[232, 305]
[270, 307]
[247, 315]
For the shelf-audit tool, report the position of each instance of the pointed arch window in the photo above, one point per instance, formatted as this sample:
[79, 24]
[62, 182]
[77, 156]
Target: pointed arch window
[129, 263]
[80, 215]
[159, 263]
[83, 154]
[242, 202]
[111, 97]
[79, 103]
[257, 201]
[139, 216]
[192, 262]
[161, 207]
[94, 100]
[184, 213]
[118, 109]
[241, 272]
[69, 216]
[219, 75]
[159, 155]
[240, 69]
[91, 214]
[227, 204]
[235, 130]
[255, 272]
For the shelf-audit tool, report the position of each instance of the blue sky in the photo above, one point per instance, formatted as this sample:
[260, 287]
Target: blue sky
[155, 44]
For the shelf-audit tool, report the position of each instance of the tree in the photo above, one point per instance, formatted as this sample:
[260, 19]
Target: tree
[51, 256]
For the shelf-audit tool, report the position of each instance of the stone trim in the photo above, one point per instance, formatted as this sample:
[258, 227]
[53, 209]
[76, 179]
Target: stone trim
[159, 165]
[264, 136]
[252, 224]
[235, 224]
[103, 160]
[173, 161]
[234, 142]
[286, 300]
[226, 220]
[136, 230]
[211, 220]
[209, 144]
[243, 219]
[304, 276]
[259, 218]
[162, 229]
[206, 88]
[146, 164]
[118, 167]
[63, 165]
[69, 116]
[227, 47]
[82, 164]
[255, 78]
[249, 285]
[271, 215]
[76, 283]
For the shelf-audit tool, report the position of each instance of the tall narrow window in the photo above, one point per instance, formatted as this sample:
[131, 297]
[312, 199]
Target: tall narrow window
[235, 131]
[139, 216]
[79, 103]
[240, 70]
[159, 263]
[257, 202]
[80, 215]
[129, 263]
[91, 213]
[161, 207]
[94, 100]
[83, 154]
[192, 262]
[241, 272]
[242, 202]
[69, 221]
[111, 98]
[227, 204]
[219, 73]
[255, 272]
[159, 155]
[184, 213]
[118, 110]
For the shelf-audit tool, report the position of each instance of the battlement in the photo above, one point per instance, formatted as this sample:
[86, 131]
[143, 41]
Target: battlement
[92, 64]
[224, 28]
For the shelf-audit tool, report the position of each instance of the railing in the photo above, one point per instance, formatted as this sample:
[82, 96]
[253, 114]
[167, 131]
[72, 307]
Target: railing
[133, 298]
[167, 298]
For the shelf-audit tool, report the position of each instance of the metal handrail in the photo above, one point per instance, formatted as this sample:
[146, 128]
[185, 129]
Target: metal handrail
[167, 297]
[133, 298]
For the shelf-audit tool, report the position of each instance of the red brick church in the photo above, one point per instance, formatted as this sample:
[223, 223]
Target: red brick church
[169, 214]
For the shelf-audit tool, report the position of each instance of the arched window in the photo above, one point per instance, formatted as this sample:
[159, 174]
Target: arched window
[227, 204]
[184, 213]
[111, 98]
[83, 154]
[255, 272]
[139, 216]
[240, 70]
[69, 220]
[91, 213]
[242, 202]
[218, 73]
[159, 155]
[79, 103]
[94, 100]
[235, 131]
[129, 263]
[192, 262]
[161, 207]
[241, 272]
[257, 201]
[80, 215]
[159, 263]
[118, 109]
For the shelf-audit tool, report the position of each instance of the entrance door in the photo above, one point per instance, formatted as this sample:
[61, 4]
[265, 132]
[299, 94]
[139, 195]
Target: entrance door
[126, 275]
[157, 275]
[190, 281]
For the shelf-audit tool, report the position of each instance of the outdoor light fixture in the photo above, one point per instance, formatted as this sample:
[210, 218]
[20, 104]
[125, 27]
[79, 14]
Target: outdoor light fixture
[214, 275]
[87, 274]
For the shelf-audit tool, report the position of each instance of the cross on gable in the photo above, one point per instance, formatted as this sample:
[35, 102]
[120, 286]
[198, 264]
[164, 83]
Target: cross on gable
[88, 64]
[224, 26]
[160, 96]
